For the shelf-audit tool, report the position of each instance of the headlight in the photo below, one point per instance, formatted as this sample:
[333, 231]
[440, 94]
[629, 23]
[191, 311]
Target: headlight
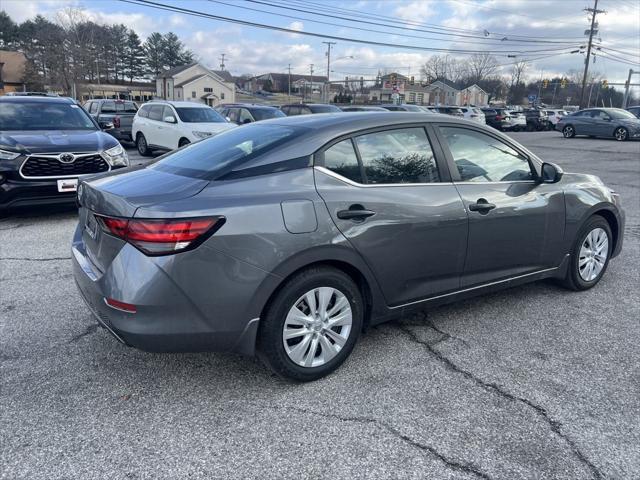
[4, 155]
[202, 134]
[116, 156]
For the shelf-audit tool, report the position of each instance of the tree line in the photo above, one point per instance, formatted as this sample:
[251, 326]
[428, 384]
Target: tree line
[485, 71]
[74, 49]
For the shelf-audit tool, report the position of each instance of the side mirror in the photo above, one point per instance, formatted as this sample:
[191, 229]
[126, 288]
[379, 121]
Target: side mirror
[105, 125]
[228, 119]
[170, 119]
[551, 173]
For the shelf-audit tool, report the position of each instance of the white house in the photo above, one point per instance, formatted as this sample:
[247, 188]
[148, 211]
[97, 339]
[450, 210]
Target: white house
[441, 93]
[195, 83]
[474, 95]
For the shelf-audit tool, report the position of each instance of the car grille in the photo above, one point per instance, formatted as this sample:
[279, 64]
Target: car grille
[45, 166]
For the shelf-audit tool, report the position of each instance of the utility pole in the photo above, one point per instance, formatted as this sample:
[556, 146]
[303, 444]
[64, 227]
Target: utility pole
[594, 11]
[222, 55]
[627, 85]
[289, 94]
[329, 44]
[311, 80]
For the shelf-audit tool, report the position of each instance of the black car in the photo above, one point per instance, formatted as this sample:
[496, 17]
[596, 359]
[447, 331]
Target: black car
[498, 118]
[308, 108]
[536, 120]
[119, 113]
[46, 144]
[635, 110]
[248, 113]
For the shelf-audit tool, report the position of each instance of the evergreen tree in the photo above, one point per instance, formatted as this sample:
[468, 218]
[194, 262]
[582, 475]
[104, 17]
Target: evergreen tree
[134, 57]
[154, 52]
[8, 32]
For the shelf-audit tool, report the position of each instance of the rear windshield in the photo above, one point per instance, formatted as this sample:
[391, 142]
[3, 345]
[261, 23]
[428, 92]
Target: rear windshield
[44, 116]
[266, 113]
[199, 115]
[324, 108]
[119, 107]
[219, 155]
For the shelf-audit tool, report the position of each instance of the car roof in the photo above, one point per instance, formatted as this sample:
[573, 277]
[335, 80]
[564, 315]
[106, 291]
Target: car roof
[177, 104]
[35, 99]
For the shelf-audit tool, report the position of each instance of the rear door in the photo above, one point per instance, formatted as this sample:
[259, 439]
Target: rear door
[516, 224]
[154, 122]
[394, 201]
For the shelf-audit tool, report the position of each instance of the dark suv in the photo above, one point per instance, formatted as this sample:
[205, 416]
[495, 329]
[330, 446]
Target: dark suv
[46, 144]
[536, 120]
[248, 113]
[120, 113]
[308, 108]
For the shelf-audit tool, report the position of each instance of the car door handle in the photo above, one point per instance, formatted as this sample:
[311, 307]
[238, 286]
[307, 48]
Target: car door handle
[355, 214]
[481, 206]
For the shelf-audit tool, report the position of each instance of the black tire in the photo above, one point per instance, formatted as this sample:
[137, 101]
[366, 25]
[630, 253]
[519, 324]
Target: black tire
[141, 144]
[516, 128]
[530, 127]
[568, 131]
[183, 141]
[573, 280]
[621, 134]
[270, 335]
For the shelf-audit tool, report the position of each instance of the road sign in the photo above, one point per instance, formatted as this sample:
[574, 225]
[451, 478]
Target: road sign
[532, 97]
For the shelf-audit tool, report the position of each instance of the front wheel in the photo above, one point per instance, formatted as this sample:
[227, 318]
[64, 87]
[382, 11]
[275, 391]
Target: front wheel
[568, 132]
[621, 134]
[590, 254]
[311, 325]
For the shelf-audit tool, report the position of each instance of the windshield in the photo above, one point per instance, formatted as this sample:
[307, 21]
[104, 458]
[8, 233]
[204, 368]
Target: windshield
[265, 113]
[43, 116]
[620, 114]
[218, 155]
[199, 115]
[324, 109]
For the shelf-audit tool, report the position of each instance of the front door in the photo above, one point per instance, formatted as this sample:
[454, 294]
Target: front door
[516, 224]
[398, 209]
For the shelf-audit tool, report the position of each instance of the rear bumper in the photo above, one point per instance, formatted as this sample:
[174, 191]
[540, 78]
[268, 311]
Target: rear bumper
[169, 317]
[121, 133]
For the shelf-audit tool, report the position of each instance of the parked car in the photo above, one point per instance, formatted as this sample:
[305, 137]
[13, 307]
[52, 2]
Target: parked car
[401, 107]
[241, 114]
[453, 111]
[635, 110]
[536, 119]
[362, 108]
[473, 113]
[46, 145]
[554, 117]
[498, 118]
[118, 112]
[308, 108]
[517, 120]
[601, 122]
[281, 237]
[163, 125]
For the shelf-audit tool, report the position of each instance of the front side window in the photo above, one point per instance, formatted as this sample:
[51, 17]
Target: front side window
[199, 115]
[245, 116]
[397, 156]
[341, 158]
[167, 112]
[482, 158]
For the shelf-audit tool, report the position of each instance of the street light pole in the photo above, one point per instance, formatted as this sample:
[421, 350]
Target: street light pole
[329, 44]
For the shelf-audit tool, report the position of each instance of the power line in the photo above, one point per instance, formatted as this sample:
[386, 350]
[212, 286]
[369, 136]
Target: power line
[196, 13]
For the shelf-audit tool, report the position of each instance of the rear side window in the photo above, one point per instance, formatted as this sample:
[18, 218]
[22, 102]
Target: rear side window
[155, 112]
[397, 156]
[144, 111]
[341, 158]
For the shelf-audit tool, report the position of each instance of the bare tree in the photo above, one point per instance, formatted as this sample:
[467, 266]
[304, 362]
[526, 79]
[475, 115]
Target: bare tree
[517, 73]
[441, 67]
[480, 66]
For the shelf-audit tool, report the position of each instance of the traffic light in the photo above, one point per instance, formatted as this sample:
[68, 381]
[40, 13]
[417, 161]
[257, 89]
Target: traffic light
[605, 84]
[412, 80]
[545, 84]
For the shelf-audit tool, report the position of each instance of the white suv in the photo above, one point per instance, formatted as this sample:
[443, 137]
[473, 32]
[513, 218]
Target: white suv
[161, 125]
[473, 113]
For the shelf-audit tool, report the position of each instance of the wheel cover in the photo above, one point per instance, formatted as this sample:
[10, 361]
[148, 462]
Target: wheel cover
[568, 131]
[621, 134]
[593, 254]
[317, 327]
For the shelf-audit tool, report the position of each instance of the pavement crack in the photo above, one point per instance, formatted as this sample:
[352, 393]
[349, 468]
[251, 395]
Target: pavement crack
[88, 331]
[28, 259]
[555, 425]
[453, 464]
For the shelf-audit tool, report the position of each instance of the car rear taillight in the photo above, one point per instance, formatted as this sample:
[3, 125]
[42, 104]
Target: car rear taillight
[116, 121]
[161, 237]
[499, 117]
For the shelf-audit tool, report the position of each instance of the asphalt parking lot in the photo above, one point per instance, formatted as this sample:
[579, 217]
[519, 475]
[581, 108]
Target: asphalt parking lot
[534, 382]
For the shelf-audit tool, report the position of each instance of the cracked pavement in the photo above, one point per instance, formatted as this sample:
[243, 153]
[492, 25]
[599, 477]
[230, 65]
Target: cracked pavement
[530, 383]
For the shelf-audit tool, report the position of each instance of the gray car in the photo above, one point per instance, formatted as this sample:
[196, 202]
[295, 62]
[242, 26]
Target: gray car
[601, 122]
[290, 236]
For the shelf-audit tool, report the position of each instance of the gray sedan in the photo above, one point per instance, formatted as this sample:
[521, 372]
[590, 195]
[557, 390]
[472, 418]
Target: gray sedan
[290, 236]
[600, 122]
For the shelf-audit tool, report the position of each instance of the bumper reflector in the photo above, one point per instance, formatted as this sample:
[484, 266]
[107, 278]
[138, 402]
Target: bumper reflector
[122, 306]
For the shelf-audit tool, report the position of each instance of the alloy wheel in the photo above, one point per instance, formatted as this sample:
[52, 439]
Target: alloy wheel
[568, 132]
[593, 254]
[317, 326]
[142, 145]
[620, 134]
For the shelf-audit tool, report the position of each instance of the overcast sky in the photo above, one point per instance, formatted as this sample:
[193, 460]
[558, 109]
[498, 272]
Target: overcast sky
[254, 50]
